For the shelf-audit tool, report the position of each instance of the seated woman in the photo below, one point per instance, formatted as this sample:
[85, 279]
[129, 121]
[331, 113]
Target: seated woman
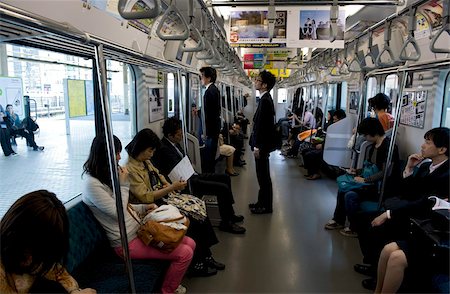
[99, 197]
[142, 190]
[40, 217]
[348, 202]
[228, 152]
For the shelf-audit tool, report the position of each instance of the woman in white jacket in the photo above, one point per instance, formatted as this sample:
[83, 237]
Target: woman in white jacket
[99, 197]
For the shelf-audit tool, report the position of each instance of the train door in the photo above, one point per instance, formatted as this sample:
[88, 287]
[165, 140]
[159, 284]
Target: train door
[445, 119]
[170, 94]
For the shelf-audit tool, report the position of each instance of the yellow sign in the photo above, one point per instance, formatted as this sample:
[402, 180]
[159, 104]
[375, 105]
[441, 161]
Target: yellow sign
[77, 98]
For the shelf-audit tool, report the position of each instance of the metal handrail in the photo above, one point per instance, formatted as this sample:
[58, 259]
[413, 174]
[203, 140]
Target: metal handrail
[410, 40]
[172, 9]
[355, 59]
[145, 13]
[200, 46]
[209, 51]
[344, 63]
[386, 48]
[369, 54]
[445, 28]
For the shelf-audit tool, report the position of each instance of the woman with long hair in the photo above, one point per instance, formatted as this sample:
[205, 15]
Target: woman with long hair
[99, 197]
[145, 189]
[34, 236]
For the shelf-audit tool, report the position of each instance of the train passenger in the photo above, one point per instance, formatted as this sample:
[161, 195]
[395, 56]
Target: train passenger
[17, 128]
[99, 197]
[34, 236]
[171, 153]
[212, 117]
[380, 104]
[347, 203]
[5, 135]
[430, 178]
[242, 121]
[237, 141]
[147, 185]
[261, 142]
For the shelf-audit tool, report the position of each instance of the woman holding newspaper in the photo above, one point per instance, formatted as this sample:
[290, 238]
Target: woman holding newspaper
[147, 185]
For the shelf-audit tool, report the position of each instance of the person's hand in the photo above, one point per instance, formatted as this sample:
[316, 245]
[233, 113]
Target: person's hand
[179, 185]
[256, 153]
[414, 160]
[358, 179]
[379, 220]
[151, 207]
[123, 174]
[351, 171]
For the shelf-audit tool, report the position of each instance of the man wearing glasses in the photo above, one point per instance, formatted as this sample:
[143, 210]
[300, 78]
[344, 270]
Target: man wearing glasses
[261, 142]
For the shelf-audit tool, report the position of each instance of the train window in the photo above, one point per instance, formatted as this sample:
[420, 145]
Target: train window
[331, 99]
[445, 122]
[343, 105]
[170, 94]
[371, 87]
[391, 87]
[282, 95]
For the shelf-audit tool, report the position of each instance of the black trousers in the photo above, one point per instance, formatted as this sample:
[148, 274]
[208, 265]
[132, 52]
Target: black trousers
[313, 160]
[218, 185]
[5, 141]
[209, 158]
[204, 236]
[265, 194]
[340, 214]
[28, 135]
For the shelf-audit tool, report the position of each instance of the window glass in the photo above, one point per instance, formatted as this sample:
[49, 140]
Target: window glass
[343, 105]
[61, 100]
[445, 122]
[170, 94]
[391, 89]
[331, 102]
[372, 88]
[282, 95]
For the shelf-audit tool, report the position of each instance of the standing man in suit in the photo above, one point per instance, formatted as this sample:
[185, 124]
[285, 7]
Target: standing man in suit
[262, 140]
[212, 118]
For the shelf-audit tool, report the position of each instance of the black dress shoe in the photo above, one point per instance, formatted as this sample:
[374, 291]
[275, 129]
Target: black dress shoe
[369, 284]
[211, 262]
[253, 205]
[237, 218]
[232, 228]
[260, 210]
[368, 270]
[201, 269]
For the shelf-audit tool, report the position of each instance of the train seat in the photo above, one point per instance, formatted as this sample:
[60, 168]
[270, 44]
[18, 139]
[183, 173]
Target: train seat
[94, 264]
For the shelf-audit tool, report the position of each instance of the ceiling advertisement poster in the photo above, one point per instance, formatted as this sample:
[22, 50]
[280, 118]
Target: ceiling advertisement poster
[250, 28]
[311, 27]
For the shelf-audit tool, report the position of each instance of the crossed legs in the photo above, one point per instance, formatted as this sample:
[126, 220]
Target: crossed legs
[391, 269]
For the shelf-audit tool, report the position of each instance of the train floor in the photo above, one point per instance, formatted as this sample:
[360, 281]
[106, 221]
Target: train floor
[289, 250]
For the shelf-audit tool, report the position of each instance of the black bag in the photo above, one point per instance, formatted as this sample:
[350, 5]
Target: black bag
[29, 124]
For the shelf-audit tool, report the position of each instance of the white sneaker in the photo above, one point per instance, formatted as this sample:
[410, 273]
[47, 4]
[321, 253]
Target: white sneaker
[180, 290]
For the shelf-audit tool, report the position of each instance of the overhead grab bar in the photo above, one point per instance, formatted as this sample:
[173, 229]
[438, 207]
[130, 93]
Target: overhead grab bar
[172, 10]
[411, 40]
[386, 48]
[193, 32]
[445, 28]
[152, 11]
[369, 54]
[355, 60]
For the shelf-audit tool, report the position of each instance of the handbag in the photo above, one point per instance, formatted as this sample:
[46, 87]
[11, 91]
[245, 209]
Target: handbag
[163, 228]
[346, 183]
[188, 204]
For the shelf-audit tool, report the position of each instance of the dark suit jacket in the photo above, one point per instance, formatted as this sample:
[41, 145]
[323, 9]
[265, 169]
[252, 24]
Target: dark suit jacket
[166, 157]
[263, 124]
[419, 186]
[212, 111]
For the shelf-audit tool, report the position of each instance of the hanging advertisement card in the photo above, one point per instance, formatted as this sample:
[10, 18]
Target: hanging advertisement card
[311, 27]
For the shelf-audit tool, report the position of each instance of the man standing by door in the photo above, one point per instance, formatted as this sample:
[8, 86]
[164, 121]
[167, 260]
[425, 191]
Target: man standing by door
[262, 142]
[212, 118]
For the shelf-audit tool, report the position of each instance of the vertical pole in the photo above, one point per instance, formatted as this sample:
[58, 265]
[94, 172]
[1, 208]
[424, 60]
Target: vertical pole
[393, 138]
[101, 74]
[182, 100]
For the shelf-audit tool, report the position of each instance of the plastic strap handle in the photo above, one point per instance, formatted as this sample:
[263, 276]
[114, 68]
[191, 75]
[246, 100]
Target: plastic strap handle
[181, 37]
[411, 40]
[150, 13]
[386, 48]
[445, 28]
[200, 46]
[369, 54]
[355, 59]
[344, 62]
[209, 51]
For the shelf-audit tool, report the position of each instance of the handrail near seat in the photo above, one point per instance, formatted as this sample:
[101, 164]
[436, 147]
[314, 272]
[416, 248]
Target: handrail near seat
[172, 9]
[445, 28]
[386, 48]
[411, 40]
[151, 12]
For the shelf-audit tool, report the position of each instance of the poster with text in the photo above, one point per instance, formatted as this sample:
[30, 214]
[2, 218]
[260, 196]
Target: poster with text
[311, 27]
[11, 93]
[155, 104]
[252, 27]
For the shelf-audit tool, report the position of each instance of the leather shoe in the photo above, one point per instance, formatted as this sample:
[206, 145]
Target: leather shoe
[260, 210]
[363, 269]
[232, 228]
[237, 218]
[253, 205]
[211, 262]
[369, 284]
[200, 269]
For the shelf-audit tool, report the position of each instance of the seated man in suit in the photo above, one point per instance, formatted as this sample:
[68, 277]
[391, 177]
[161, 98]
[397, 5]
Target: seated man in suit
[171, 153]
[419, 182]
